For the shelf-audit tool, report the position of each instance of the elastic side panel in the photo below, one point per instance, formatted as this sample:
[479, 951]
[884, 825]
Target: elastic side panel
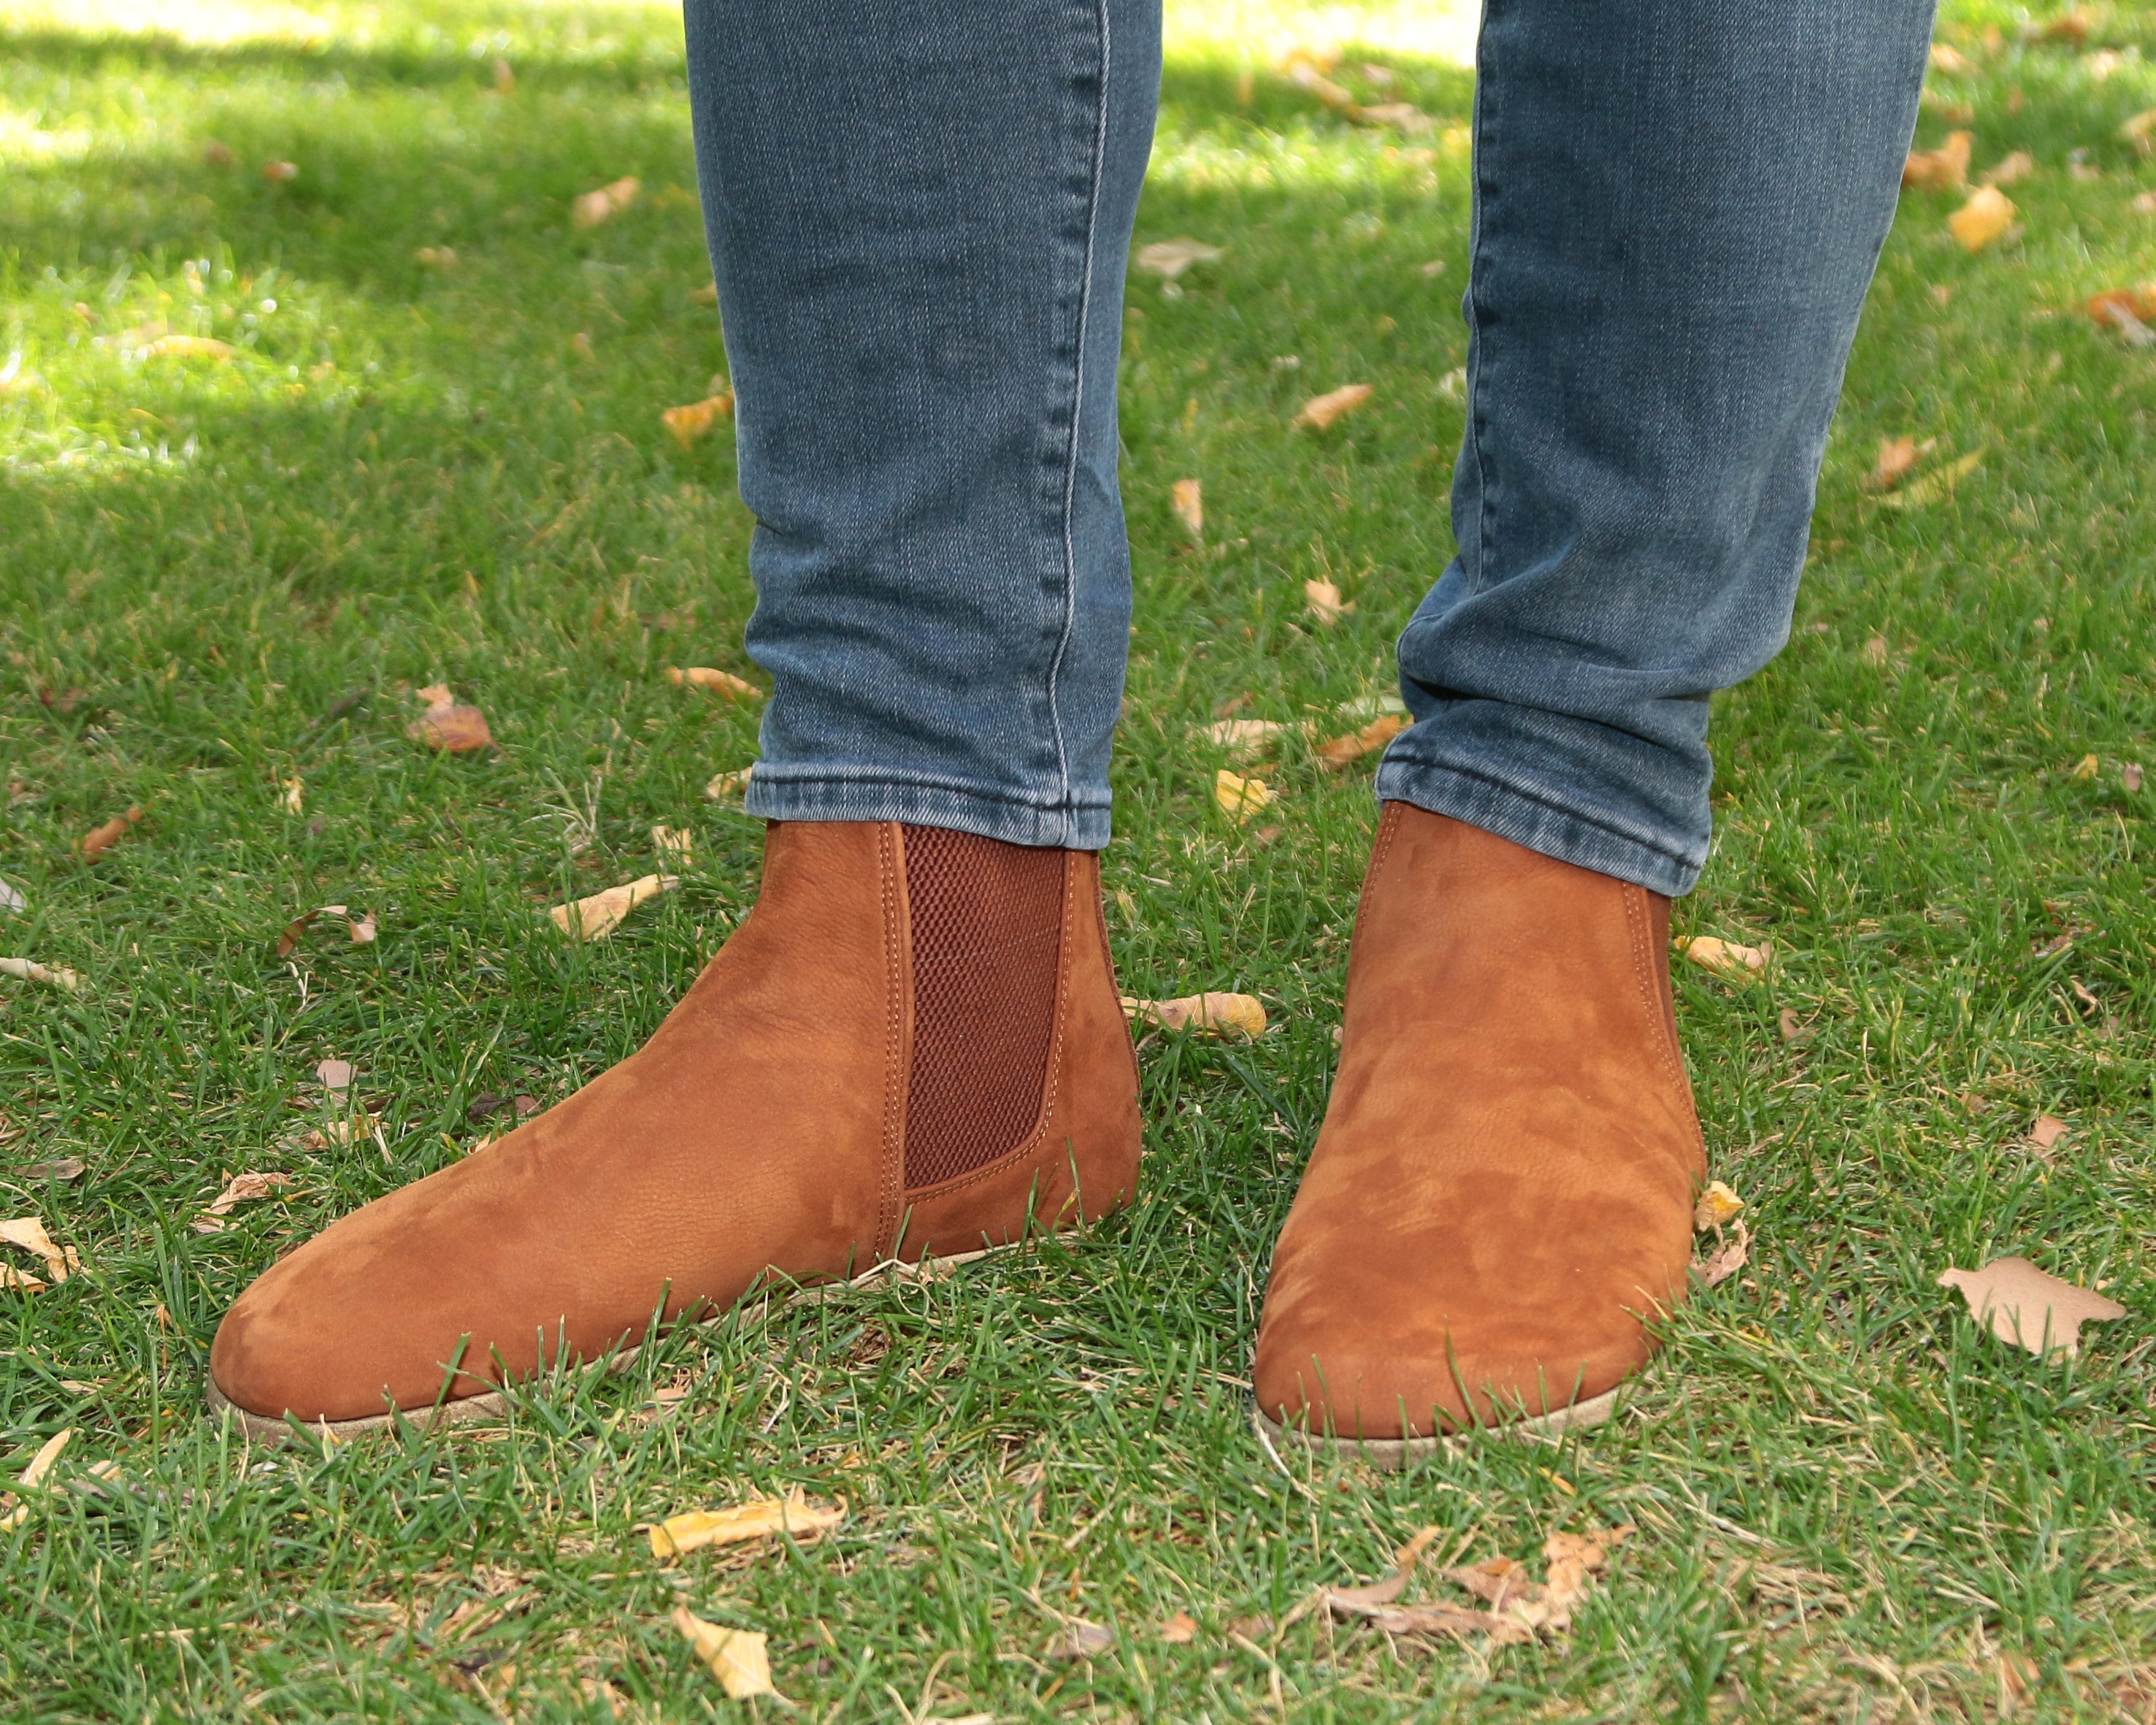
[987, 920]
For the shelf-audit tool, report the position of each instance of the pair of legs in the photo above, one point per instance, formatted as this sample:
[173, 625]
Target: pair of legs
[919, 215]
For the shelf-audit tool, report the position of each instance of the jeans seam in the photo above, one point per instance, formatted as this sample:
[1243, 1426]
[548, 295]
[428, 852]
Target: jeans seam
[900, 778]
[1097, 169]
[1485, 125]
[1545, 802]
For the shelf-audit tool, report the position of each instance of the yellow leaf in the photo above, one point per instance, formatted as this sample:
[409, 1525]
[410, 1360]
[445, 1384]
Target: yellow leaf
[294, 798]
[593, 207]
[1725, 958]
[1243, 1014]
[707, 294]
[436, 257]
[757, 1519]
[676, 846]
[689, 423]
[737, 1657]
[1189, 505]
[1240, 798]
[1320, 412]
[708, 676]
[1716, 1206]
[1322, 600]
[33, 1476]
[1984, 218]
[186, 347]
[724, 785]
[29, 1232]
[2085, 768]
[602, 912]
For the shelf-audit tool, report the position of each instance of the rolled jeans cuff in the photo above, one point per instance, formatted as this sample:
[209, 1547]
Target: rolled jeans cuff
[1523, 817]
[880, 795]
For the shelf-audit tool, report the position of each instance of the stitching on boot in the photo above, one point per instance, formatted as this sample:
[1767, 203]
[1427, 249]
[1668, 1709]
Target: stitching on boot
[897, 974]
[1641, 929]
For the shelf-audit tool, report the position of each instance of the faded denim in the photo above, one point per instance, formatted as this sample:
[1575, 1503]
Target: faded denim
[918, 215]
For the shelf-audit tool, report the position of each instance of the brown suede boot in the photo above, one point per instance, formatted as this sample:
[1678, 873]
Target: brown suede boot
[1503, 1187]
[911, 1045]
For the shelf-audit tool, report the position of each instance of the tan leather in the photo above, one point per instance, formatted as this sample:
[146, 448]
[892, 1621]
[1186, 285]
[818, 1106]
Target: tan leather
[761, 1129]
[1503, 1187]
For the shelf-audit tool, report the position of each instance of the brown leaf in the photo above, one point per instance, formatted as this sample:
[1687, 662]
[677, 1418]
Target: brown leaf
[1896, 456]
[717, 681]
[1241, 1014]
[758, 1519]
[1939, 482]
[1344, 751]
[2129, 777]
[1944, 169]
[1080, 1640]
[1320, 412]
[1450, 1620]
[1322, 600]
[1983, 220]
[101, 839]
[66, 1170]
[1179, 1630]
[1189, 501]
[2047, 1131]
[2028, 1308]
[334, 1074]
[281, 173]
[244, 1188]
[737, 1657]
[604, 205]
[1726, 1259]
[602, 912]
[359, 929]
[2009, 170]
[1795, 1030]
[1240, 798]
[697, 418]
[676, 846]
[449, 725]
[216, 154]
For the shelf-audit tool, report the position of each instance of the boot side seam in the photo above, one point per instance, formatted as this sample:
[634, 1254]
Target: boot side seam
[898, 987]
[1641, 929]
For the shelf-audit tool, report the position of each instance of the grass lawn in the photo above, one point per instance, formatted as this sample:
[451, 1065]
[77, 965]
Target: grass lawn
[217, 576]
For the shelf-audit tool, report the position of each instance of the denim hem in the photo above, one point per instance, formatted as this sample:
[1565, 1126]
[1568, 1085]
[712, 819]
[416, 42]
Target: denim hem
[988, 813]
[1527, 820]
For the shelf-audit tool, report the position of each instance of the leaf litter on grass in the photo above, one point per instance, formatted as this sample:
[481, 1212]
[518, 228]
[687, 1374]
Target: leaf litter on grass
[759, 1518]
[449, 725]
[2030, 1308]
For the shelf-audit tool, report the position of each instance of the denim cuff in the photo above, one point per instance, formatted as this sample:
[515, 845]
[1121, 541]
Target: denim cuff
[1527, 820]
[780, 795]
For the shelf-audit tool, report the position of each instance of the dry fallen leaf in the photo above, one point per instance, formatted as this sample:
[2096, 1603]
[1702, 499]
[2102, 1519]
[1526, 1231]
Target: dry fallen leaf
[1726, 1259]
[1896, 456]
[757, 1519]
[1243, 739]
[32, 1476]
[707, 294]
[29, 1232]
[1793, 1028]
[281, 173]
[186, 347]
[28, 970]
[1243, 1014]
[737, 1657]
[2047, 1131]
[2028, 1308]
[436, 257]
[449, 725]
[1944, 169]
[334, 1075]
[240, 1189]
[1240, 798]
[1932, 487]
[1179, 1630]
[1187, 497]
[1345, 751]
[1080, 1640]
[727, 784]
[358, 930]
[1717, 1205]
[676, 846]
[1322, 600]
[2140, 130]
[2085, 768]
[12, 901]
[102, 839]
[1319, 412]
[66, 1170]
[720, 682]
[604, 205]
[1725, 958]
[1983, 220]
[1169, 258]
[294, 793]
[2009, 170]
[602, 912]
[697, 418]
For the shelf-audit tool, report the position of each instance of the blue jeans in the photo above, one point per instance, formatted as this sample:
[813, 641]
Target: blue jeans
[918, 213]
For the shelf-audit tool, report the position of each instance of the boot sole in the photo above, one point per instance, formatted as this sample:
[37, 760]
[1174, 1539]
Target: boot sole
[1392, 1453]
[493, 1404]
